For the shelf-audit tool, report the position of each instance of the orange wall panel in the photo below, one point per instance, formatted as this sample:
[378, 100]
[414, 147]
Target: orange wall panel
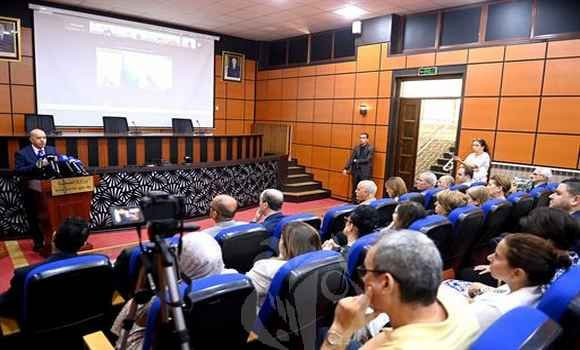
[249, 90]
[288, 110]
[514, 147]
[483, 79]
[367, 84]
[518, 113]
[220, 88]
[380, 141]
[342, 111]
[379, 160]
[235, 109]
[325, 69]
[290, 88]
[249, 110]
[564, 146]
[421, 60]
[321, 134]
[323, 111]
[22, 72]
[274, 89]
[303, 154]
[525, 52]
[250, 70]
[341, 135]
[4, 73]
[486, 54]
[466, 137]
[235, 89]
[562, 77]
[385, 83]
[324, 86]
[339, 184]
[338, 158]
[383, 111]
[305, 110]
[303, 133]
[370, 117]
[368, 58]
[289, 73]
[444, 58]
[564, 48]
[5, 105]
[344, 85]
[560, 115]
[479, 113]
[5, 124]
[27, 42]
[306, 87]
[522, 78]
[320, 157]
[23, 100]
[345, 67]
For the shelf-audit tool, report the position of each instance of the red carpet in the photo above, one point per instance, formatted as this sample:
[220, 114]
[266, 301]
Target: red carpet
[111, 243]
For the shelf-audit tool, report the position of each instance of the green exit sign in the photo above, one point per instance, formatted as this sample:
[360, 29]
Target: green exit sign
[423, 71]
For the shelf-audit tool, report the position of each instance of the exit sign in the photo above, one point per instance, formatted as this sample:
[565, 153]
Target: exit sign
[423, 71]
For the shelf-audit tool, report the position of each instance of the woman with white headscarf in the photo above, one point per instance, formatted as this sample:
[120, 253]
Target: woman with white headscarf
[201, 256]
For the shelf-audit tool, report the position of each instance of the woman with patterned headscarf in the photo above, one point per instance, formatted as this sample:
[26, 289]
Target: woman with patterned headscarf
[201, 256]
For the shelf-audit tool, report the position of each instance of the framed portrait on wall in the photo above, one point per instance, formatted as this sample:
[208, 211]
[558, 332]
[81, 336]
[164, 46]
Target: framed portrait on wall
[9, 39]
[233, 66]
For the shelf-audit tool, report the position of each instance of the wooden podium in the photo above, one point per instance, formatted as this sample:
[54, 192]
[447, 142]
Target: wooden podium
[57, 199]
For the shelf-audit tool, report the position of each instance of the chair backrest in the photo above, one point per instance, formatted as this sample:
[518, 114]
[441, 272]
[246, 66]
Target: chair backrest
[333, 220]
[412, 196]
[301, 300]
[242, 245]
[459, 187]
[67, 293]
[467, 224]
[522, 205]
[543, 199]
[385, 208]
[520, 328]
[181, 126]
[438, 228]
[357, 253]
[497, 213]
[220, 310]
[309, 218]
[39, 121]
[115, 125]
[429, 197]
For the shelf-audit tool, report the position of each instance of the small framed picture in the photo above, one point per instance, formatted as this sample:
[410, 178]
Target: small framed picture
[233, 65]
[9, 39]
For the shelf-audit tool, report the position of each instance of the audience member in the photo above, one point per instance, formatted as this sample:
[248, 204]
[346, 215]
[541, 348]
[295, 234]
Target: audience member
[540, 177]
[365, 192]
[270, 209]
[297, 238]
[401, 274]
[395, 187]
[222, 210]
[477, 195]
[405, 214]
[448, 200]
[201, 256]
[499, 186]
[525, 263]
[445, 182]
[478, 160]
[464, 175]
[425, 181]
[567, 197]
[68, 239]
[361, 221]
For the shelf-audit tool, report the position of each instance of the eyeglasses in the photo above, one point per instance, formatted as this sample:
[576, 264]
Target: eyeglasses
[362, 271]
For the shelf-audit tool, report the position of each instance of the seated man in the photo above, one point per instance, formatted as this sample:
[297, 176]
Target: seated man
[365, 192]
[68, 240]
[499, 186]
[540, 177]
[270, 209]
[425, 181]
[222, 210]
[567, 197]
[401, 275]
[464, 175]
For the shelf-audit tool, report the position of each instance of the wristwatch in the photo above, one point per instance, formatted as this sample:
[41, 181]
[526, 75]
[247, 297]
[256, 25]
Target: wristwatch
[334, 339]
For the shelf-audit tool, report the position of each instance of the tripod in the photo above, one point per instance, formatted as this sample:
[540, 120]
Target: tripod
[162, 259]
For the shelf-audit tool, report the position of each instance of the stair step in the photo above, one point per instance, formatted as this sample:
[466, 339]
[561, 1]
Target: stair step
[442, 161]
[293, 170]
[437, 167]
[302, 186]
[296, 178]
[440, 173]
[298, 184]
[297, 197]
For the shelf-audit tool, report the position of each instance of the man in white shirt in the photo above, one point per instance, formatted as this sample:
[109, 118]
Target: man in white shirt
[222, 210]
[365, 192]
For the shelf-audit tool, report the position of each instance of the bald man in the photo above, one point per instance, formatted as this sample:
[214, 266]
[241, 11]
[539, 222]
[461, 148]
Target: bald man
[222, 210]
[30, 162]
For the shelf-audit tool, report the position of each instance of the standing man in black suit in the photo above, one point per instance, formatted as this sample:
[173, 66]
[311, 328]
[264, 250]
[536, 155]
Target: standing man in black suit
[360, 163]
[31, 162]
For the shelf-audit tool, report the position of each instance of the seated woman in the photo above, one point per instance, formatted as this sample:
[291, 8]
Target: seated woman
[525, 263]
[297, 238]
[395, 187]
[499, 186]
[445, 182]
[201, 256]
[477, 195]
[405, 214]
[361, 221]
[551, 224]
[448, 200]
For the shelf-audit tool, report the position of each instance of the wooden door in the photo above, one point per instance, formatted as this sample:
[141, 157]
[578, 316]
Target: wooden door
[407, 138]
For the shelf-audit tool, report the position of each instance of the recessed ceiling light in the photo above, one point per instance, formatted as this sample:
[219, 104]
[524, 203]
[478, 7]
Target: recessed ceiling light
[350, 12]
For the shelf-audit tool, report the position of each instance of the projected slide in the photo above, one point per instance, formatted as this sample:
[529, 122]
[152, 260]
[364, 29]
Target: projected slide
[87, 68]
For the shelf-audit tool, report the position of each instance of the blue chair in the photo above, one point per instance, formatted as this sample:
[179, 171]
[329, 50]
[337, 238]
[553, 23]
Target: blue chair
[67, 294]
[333, 220]
[497, 213]
[562, 303]
[309, 218]
[520, 328]
[243, 244]
[356, 257]
[438, 228]
[467, 224]
[385, 208]
[219, 311]
[522, 205]
[412, 196]
[459, 187]
[429, 197]
[301, 301]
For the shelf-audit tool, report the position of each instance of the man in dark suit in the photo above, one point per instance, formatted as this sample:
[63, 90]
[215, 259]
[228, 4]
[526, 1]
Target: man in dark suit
[68, 240]
[31, 162]
[234, 68]
[360, 163]
[270, 209]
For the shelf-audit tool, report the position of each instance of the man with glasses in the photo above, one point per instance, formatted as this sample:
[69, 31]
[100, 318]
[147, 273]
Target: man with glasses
[401, 275]
[222, 210]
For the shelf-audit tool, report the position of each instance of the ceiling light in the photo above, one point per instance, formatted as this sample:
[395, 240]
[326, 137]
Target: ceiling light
[350, 12]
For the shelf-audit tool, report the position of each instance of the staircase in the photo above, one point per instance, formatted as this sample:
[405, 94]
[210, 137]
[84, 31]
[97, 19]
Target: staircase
[437, 168]
[300, 186]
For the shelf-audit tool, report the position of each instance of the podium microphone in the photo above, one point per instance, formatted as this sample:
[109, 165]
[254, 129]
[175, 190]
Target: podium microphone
[64, 160]
[78, 165]
[53, 162]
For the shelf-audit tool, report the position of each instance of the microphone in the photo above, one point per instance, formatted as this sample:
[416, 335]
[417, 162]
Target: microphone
[78, 165]
[64, 160]
[198, 124]
[52, 161]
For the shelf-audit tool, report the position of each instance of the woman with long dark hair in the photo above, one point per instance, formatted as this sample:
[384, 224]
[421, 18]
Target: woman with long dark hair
[478, 160]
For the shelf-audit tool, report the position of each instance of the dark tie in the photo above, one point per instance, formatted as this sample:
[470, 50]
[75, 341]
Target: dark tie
[40, 153]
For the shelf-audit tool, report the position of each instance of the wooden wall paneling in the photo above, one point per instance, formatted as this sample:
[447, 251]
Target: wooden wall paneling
[60, 145]
[83, 148]
[122, 151]
[13, 147]
[165, 149]
[180, 149]
[196, 150]
[210, 149]
[140, 151]
[103, 153]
